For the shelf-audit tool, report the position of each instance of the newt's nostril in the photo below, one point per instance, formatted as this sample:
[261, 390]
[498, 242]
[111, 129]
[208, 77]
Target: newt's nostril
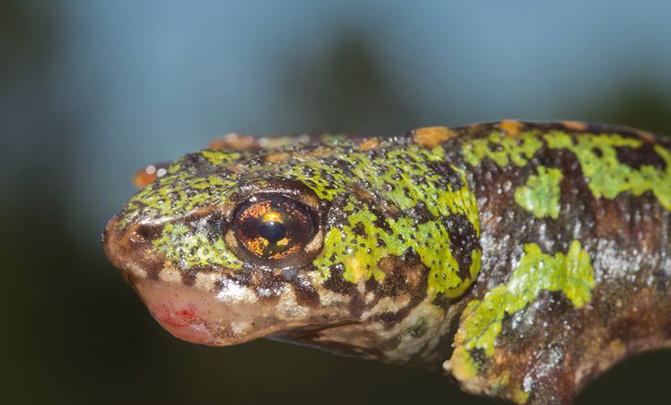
[144, 233]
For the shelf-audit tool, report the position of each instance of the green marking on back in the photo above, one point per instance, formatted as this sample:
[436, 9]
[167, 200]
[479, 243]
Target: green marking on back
[503, 149]
[607, 176]
[540, 195]
[570, 273]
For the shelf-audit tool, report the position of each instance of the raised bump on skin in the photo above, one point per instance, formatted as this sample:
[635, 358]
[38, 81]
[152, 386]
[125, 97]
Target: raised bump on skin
[430, 137]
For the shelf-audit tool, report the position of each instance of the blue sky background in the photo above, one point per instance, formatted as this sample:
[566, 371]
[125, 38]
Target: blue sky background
[156, 79]
[148, 81]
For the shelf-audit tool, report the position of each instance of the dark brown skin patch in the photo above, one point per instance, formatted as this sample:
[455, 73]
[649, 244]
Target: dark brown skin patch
[421, 213]
[451, 178]
[644, 155]
[403, 275]
[189, 276]
[267, 286]
[133, 244]
[463, 245]
[337, 283]
[304, 292]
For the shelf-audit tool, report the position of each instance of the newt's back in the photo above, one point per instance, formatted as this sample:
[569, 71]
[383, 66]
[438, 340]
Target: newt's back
[576, 270]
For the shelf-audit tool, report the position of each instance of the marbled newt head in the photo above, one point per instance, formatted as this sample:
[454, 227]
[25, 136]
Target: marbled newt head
[523, 258]
[356, 244]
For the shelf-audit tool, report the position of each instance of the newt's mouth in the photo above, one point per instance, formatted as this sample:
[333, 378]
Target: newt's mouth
[203, 308]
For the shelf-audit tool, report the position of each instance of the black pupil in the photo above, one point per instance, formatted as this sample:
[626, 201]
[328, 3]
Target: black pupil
[273, 231]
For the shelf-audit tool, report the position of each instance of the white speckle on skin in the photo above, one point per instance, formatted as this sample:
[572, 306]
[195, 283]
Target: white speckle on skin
[410, 346]
[240, 327]
[387, 304]
[620, 263]
[136, 270]
[232, 292]
[370, 296]
[206, 281]
[289, 308]
[170, 275]
[330, 298]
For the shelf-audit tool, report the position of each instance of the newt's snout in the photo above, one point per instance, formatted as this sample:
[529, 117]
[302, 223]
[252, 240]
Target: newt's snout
[213, 305]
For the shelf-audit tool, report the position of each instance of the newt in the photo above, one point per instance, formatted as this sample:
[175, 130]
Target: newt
[521, 259]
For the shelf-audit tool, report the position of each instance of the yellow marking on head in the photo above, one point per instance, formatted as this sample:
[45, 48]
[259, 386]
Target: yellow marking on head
[276, 157]
[149, 174]
[646, 136]
[575, 125]
[511, 127]
[430, 137]
[369, 143]
[143, 178]
[355, 268]
[283, 242]
[235, 142]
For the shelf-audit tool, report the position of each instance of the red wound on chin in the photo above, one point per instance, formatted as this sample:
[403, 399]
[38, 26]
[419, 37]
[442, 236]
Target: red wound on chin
[183, 323]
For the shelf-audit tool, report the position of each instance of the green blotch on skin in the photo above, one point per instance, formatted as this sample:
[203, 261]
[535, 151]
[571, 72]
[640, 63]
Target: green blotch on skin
[606, 176]
[190, 249]
[570, 273]
[392, 176]
[502, 149]
[308, 172]
[218, 157]
[360, 255]
[540, 195]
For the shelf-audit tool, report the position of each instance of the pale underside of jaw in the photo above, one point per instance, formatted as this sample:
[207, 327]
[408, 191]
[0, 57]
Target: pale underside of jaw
[220, 311]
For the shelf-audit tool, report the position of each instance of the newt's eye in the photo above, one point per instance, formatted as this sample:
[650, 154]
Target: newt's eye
[273, 227]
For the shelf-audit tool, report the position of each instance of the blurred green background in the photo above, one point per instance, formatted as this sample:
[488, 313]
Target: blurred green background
[90, 91]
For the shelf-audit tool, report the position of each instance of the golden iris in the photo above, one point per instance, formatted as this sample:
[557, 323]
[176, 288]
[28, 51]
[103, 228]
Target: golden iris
[273, 227]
